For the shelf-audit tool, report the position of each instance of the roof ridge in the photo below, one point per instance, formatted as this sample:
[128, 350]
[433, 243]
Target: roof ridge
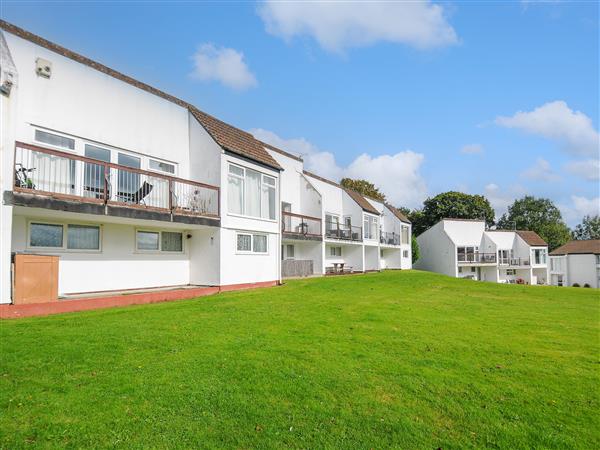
[278, 150]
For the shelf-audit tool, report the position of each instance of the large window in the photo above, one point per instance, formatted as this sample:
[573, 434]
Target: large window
[251, 193]
[404, 232]
[159, 241]
[252, 243]
[466, 253]
[55, 140]
[335, 252]
[64, 237]
[539, 256]
[370, 227]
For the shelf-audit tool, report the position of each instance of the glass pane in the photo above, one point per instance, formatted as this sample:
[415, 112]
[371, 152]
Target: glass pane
[54, 139]
[260, 243]
[83, 237]
[269, 180]
[236, 170]
[290, 251]
[162, 166]
[171, 241]
[252, 193]
[46, 235]
[244, 242]
[235, 195]
[94, 173]
[147, 240]
[268, 202]
[129, 182]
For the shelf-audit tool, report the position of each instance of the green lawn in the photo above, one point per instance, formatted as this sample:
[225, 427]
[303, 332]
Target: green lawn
[396, 359]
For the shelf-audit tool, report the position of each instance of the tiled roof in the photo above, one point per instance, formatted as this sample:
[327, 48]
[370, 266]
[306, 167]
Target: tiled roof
[227, 136]
[531, 238]
[361, 201]
[324, 180]
[234, 139]
[590, 246]
[397, 213]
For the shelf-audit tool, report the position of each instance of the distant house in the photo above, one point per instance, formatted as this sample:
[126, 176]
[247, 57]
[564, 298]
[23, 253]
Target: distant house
[465, 249]
[576, 263]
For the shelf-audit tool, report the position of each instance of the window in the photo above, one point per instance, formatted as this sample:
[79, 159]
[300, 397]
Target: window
[381, 253]
[251, 193]
[159, 241]
[45, 235]
[559, 280]
[335, 252]
[404, 234]
[460, 269]
[128, 181]
[405, 253]
[370, 227]
[511, 272]
[160, 166]
[539, 256]
[93, 176]
[64, 237]
[252, 243]
[466, 253]
[331, 223]
[598, 259]
[55, 139]
[289, 251]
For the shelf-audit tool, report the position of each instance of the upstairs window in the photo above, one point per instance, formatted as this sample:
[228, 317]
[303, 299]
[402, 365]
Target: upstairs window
[55, 140]
[161, 166]
[251, 193]
[370, 227]
[539, 256]
[404, 233]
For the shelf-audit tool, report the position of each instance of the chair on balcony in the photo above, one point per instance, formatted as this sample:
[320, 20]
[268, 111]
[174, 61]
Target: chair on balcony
[138, 196]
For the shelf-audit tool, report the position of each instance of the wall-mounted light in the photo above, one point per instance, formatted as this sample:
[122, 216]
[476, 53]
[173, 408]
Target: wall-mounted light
[189, 236]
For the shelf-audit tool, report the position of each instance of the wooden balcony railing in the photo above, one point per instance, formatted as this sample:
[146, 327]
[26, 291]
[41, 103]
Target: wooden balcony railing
[336, 230]
[298, 224]
[63, 175]
[482, 258]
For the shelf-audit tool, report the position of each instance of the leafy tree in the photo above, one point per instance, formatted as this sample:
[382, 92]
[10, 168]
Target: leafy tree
[363, 187]
[589, 228]
[415, 248]
[539, 215]
[456, 205]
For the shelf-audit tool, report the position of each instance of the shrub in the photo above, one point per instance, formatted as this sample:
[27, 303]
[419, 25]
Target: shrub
[586, 285]
[576, 285]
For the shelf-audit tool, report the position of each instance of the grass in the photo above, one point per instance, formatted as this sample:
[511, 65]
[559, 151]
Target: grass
[396, 359]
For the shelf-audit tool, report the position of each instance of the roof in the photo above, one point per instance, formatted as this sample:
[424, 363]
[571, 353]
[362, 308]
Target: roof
[358, 198]
[455, 219]
[590, 246]
[234, 139]
[362, 202]
[282, 152]
[531, 238]
[227, 136]
[399, 214]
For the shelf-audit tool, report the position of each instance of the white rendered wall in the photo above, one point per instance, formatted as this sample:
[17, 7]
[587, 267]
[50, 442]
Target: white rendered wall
[372, 258]
[437, 252]
[117, 266]
[205, 256]
[205, 155]
[308, 250]
[582, 270]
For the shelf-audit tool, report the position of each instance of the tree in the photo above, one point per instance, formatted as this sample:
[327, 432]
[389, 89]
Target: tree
[363, 187]
[415, 248]
[539, 215]
[589, 228]
[455, 205]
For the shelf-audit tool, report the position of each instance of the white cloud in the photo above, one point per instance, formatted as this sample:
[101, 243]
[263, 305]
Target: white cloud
[578, 207]
[224, 65]
[472, 149]
[397, 175]
[556, 121]
[337, 26]
[541, 171]
[589, 170]
[501, 199]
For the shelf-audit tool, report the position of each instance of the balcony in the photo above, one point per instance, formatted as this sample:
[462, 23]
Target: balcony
[65, 176]
[514, 262]
[298, 226]
[476, 258]
[336, 230]
[388, 238]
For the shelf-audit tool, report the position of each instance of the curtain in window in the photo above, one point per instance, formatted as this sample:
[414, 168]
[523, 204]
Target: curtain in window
[268, 202]
[46, 235]
[235, 195]
[244, 242]
[252, 193]
[260, 243]
[52, 173]
[171, 242]
[147, 240]
[83, 237]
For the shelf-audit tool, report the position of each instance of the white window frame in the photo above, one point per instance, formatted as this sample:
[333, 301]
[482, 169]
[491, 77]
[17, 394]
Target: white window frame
[65, 226]
[159, 171]
[333, 247]
[251, 251]
[160, 250]
[35, 128]
[262, 185]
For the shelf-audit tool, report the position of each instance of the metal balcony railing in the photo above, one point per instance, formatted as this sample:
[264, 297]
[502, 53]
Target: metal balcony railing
[481, 258]
[301, 225]
[514, 261]
[63, 175]
[388, 238]
[335, 230]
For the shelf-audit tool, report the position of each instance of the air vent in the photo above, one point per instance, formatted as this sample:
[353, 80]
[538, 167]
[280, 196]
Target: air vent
[43, 67]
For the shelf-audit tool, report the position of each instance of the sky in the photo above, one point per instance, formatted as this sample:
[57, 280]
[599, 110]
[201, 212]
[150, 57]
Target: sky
[496, 98]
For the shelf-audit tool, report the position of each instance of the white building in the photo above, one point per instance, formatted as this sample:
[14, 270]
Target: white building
[576, 263]
[133, 188]
[465, 249]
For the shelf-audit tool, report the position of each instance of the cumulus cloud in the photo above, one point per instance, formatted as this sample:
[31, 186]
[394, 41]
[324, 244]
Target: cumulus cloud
[337, 26]
[540, 171]
[472, 149]
[501, 199]
[589, 169]
[578, 207]
[555, 120]
[225, 65]
[397, 175]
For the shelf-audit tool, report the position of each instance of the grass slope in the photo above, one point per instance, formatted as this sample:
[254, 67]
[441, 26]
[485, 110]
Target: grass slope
[396, 359]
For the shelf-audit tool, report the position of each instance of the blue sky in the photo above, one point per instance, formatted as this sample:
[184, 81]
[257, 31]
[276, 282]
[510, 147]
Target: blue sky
[418, 97]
